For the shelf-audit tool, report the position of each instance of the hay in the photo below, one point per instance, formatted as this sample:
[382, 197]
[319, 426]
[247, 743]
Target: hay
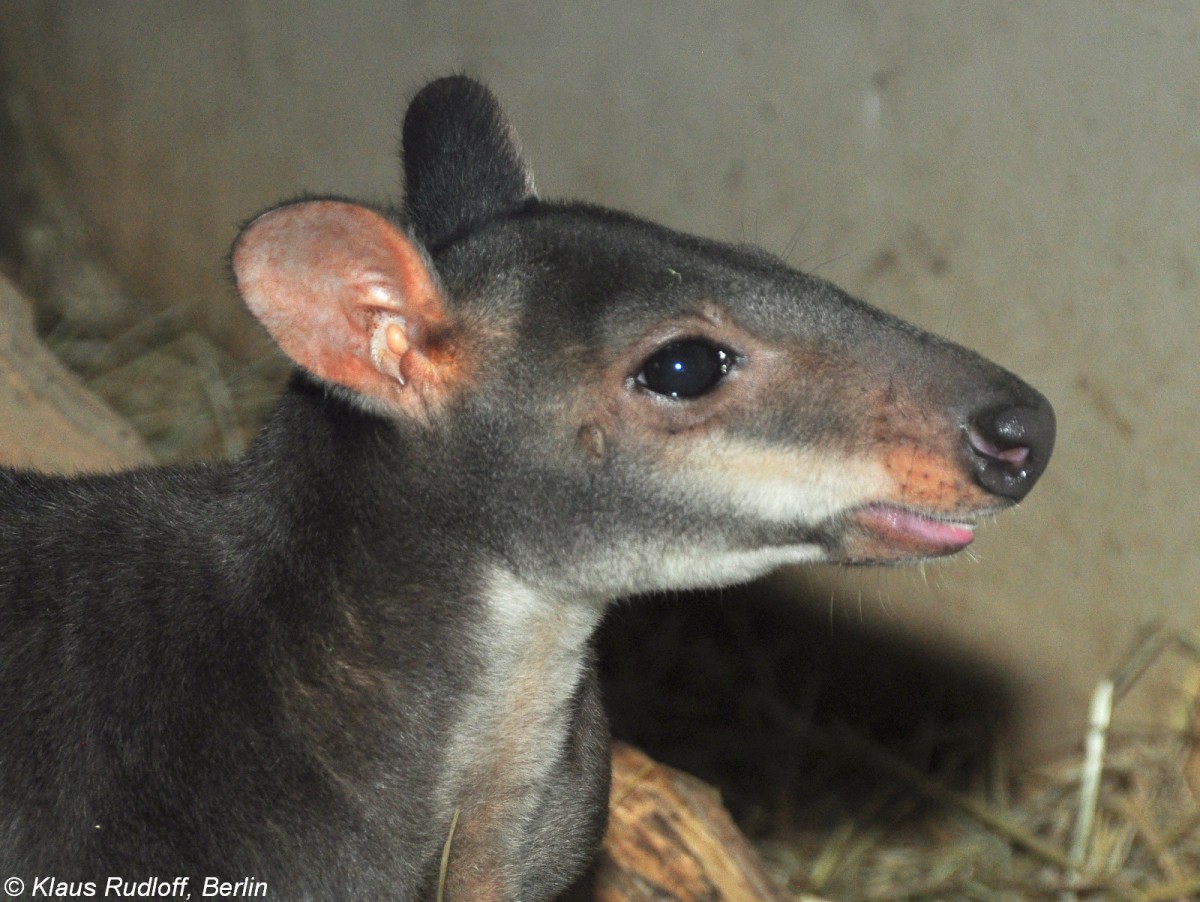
[188, 397]
[1116, 822]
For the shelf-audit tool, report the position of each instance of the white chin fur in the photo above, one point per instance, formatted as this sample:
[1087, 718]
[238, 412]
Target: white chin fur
[696, 569]
[780, 485]
[705, 571]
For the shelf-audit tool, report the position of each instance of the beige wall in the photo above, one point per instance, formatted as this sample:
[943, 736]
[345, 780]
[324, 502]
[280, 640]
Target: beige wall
[1023, 177]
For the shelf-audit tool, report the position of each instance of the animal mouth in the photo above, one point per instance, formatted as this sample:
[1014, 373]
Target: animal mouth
[890, 532]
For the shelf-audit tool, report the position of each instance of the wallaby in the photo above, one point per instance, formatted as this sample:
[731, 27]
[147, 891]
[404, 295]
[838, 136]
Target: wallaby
[301, 667]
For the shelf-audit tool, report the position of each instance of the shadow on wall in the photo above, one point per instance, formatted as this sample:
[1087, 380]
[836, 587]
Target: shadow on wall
[756, 689]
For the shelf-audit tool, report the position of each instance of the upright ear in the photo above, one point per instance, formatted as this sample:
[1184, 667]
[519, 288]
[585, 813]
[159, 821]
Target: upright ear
[350, 298]
[462, 161]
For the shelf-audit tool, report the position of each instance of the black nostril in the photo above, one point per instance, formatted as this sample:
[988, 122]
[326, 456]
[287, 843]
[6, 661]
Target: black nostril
[1009, 446]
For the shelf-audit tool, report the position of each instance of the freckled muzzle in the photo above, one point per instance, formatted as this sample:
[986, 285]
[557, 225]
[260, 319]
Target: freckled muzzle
[1005, 439]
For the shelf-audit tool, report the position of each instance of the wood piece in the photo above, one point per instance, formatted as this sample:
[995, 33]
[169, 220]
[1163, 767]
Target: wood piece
[49, 420]
[669, 837]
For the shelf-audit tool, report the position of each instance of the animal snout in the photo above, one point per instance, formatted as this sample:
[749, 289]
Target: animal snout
[1009, 445]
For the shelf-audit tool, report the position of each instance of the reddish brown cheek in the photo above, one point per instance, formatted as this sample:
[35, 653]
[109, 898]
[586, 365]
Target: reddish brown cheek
[418, 369]
[924, 478]
[443, 363]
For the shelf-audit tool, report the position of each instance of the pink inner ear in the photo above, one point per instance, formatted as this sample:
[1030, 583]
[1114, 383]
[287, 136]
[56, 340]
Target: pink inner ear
[318, 275]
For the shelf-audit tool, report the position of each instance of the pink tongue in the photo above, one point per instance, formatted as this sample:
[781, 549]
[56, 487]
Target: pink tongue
[912, 526]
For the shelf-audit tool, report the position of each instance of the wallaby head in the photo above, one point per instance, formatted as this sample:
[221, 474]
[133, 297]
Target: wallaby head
[619, 407]
[304, 666]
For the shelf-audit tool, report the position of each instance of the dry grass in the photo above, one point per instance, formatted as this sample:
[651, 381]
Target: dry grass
[913, 797]
[185, 395]
[1117, 822]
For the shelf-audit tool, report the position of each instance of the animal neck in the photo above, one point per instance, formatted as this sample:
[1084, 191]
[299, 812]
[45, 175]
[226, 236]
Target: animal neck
[352, 520]
[533, 710]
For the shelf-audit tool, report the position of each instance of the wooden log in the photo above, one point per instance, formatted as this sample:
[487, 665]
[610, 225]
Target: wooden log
[669, 837]
[49, 420]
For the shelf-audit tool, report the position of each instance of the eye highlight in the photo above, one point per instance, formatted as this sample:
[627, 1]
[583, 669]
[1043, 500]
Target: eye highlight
[685, 369]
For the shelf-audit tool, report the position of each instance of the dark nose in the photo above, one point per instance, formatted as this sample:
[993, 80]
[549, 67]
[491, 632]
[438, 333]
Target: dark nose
[1009, 446]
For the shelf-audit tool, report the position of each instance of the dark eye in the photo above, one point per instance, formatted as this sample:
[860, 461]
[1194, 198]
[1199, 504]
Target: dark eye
[685, 369]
